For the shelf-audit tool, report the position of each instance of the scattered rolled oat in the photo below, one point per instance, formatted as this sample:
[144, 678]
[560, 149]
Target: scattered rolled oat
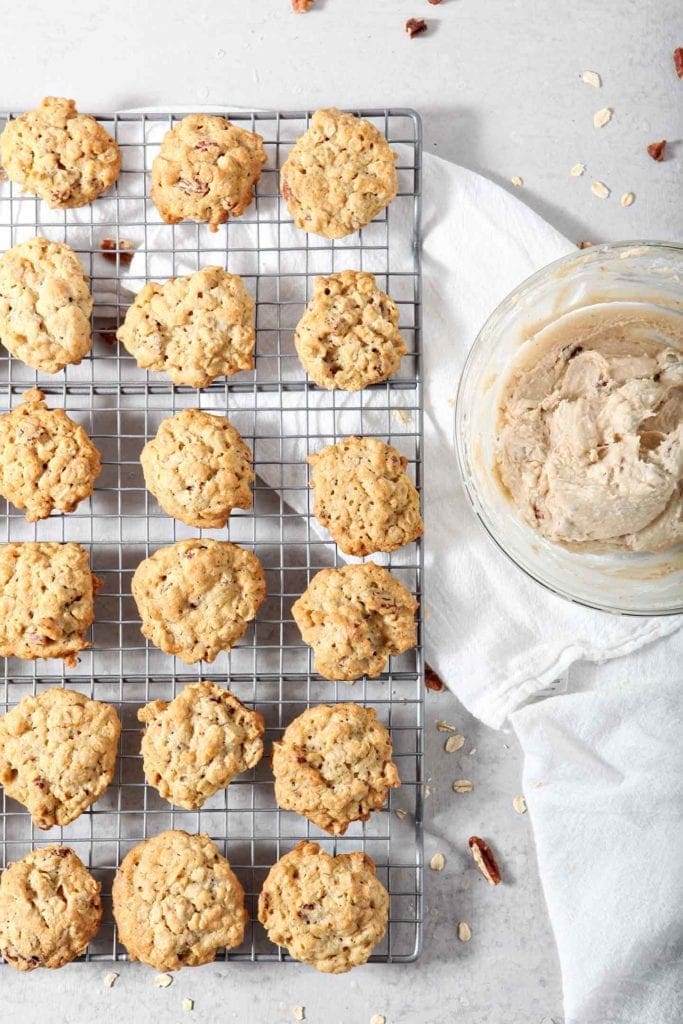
[379, 1018]
[519, 804]
[163, 980]
[301, 6]
[591, 78]
[599, 189]
[464, 931]
[401, 415]
[627, 199]
[415, 26]
[432, 680]
[602, 117]
[299, 1013]
[473, 751]
[656, 150]
[517, 181]
[577, 170]
[445, 727]
[109, 979]
[400, 813]
[462, 786]
[438, 862]
[678, 61]
[187, 1004]
[426, 790]
[453, 743]
[539, 785]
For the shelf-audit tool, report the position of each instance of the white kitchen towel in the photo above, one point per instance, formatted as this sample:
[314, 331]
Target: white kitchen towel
[603, 780]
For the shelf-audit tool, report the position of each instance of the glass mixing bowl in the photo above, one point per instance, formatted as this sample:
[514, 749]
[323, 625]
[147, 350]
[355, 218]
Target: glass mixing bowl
[633, 272]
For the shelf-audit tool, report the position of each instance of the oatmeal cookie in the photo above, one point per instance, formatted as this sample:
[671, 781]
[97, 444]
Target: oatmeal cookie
[354, 618]
[327, 911]
[348, 336]
[50, 909]
[198, 468]
[197, 743]
[62, 156]
[333, 765]
[364, 496]
[47, 462]
[197, 597]
[45, 305]
[57, 754]
[194, 328]
[339, 175]
[177, 901]
[47, 597]
[206, 170]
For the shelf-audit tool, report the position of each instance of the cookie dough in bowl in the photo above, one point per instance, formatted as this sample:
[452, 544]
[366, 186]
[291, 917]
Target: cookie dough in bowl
[569, 427]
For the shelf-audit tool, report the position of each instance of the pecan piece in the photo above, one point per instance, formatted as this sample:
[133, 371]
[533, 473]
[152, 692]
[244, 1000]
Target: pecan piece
[584, 245]
[192, 187]
[484, 859]
[434, 3]
[432, 680]
[656, 150]
[415, 26]
[301, 6]
[678, 60]
[123, 249]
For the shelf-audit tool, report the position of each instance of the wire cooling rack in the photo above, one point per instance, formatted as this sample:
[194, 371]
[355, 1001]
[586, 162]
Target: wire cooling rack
[283, 417]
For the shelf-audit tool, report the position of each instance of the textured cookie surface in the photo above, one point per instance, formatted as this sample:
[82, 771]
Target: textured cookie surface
[364, 496]
[333, 765]
[46, 600]
[327, 911]
[47, 462]
[348, 336]
[206, 170]
[196, 597]
[50, 909]
[198, 468]
[45, 305]
[177, 901]
[66, 158]
[196, 744]
[194, 328]
[57, 754]
[339, 175]
[354, 618]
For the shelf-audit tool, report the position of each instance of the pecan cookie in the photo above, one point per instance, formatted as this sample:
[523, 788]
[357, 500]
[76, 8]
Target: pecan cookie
[197, 597]
[197, 743]
[47, 462]
[62, 156]
[50, 909]
[364, 496]
[354, 618]
[57, 754]
[348, 336]
[194, 328]
[206, 170]
[198, 468]
[177, 902]
[339, 175]
[333, 765]
[45, 305]
[47, 597]
[327, 911]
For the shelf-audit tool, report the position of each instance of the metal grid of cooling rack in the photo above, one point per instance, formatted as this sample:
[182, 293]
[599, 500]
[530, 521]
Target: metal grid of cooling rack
[283, 418]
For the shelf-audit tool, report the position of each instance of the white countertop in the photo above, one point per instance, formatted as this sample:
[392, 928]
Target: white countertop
[497, 83]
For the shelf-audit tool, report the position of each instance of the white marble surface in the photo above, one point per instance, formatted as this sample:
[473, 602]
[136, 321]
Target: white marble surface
[497, 84]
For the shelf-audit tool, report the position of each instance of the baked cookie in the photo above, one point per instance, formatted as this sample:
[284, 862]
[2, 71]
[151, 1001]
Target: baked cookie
[354, 618]
[194, 328]
[45, 305]
[50, 909]
[62, 156]
[206, 170]
[176, 902]
[333, 765]
[328, 911]
[348, 337]
[47, 597]
[57, 754]
[364, 496]
[197, 597]
[198, 468]
[47, 462]
[197, 743]
[339, 175]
